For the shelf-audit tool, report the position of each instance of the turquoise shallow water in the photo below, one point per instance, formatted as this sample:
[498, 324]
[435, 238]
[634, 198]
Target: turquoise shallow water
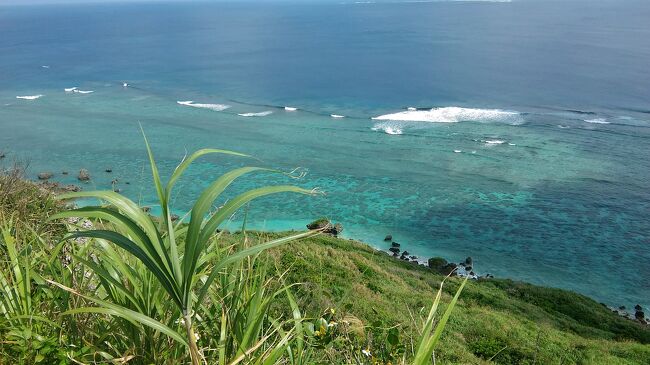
[550, 184]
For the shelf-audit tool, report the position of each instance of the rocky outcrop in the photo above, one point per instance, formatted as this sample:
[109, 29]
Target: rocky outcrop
[388, 238]
[327, 227]
[84, 175]
[45, 175]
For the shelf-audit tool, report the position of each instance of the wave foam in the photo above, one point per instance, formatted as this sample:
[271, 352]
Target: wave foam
[597, 121]
[260, 114]
[495, 141]
[82, 91]
[451, 114]
[70, 89]
[290, 109]
[215, 107]
[388, 128]
[337, 116]
[29, 97]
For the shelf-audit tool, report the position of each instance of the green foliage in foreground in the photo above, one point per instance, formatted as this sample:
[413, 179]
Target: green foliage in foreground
[125, 287]
[320, 300]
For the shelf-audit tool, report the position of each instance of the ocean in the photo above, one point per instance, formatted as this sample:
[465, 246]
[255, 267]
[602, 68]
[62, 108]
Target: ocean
[517, 133]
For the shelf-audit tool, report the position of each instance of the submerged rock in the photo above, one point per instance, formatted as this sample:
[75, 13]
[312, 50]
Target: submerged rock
[388, 238]
[44, 175]
[146, 209]
[394, 250]
[395, 244]
[109, 170]
[84, 175]
[469, 262]
[174, 217]
[64, 172]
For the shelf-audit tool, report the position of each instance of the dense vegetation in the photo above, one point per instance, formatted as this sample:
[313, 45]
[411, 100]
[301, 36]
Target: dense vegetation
[91, 298]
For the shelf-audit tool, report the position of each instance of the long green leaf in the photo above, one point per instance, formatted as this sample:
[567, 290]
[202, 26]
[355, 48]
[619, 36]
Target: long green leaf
[424, 353]
[245, 253]
[136, 251]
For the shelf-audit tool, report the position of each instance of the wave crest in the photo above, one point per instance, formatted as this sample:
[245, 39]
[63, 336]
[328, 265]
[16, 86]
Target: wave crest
[597, 121]
[30, 97]
[215, 107]
[452, 114]
[388, 128]
[260, 114]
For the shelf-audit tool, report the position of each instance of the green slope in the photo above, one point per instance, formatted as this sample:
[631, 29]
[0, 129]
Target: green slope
[503, 320]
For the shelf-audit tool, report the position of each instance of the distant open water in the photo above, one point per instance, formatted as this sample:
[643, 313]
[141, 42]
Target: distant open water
[527, 145]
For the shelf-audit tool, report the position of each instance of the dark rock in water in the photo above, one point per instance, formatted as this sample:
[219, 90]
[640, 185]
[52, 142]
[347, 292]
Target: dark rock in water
[405, 253]
[471, 273]
[468, 268]
[638, 307]
[447, 269]
[414, 257]
[127, 183]
[326, 226]
[44, 175]
[622, 308]
[83, 175]
[318, 223]
[71, 188]
[117, 190]
[469, 262]
[436, 263]
[394, 250]
[114, 181]
[109, 170]
[395, 254]
[395, 244]
[639, 315]
[64, 172]
[2, 154]
[388, 238]
[174, 217]
[146, 209]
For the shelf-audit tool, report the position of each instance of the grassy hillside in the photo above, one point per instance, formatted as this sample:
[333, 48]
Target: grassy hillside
[506, 321]
[371, 303]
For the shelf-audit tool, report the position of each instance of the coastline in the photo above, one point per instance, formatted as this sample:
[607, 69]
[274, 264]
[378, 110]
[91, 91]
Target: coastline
[397, 250]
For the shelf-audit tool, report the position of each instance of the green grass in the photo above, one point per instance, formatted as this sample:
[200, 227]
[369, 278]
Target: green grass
[510, 322]
[320, 300]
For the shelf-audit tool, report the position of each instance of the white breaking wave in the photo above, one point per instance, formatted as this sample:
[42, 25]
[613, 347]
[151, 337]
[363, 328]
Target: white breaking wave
[411, 109]
[563, 126]
[70, 89]
[495, 141]
[457, 151]
[597, 121]
[290, 108]
[82, 91]
[260, 114]
[451, 114]
[337, 116]
[388, 128]
[29, 97]
[215, 107]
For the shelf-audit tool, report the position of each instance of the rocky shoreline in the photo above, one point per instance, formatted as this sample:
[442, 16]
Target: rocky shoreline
[396, 250]
[462, 269]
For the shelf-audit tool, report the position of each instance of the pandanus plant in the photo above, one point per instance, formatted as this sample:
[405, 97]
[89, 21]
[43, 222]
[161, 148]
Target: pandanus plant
[176, 255]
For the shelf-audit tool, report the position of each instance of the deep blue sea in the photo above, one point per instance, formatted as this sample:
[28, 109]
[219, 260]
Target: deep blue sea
[517, 133]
